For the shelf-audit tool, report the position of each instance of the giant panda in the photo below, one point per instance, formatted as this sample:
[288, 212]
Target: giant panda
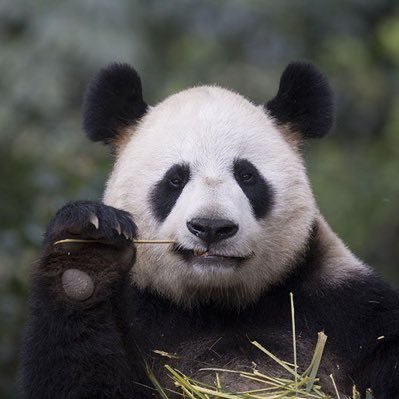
[224, 179]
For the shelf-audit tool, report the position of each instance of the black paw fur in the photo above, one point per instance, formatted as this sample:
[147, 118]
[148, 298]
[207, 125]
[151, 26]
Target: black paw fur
[91, 220]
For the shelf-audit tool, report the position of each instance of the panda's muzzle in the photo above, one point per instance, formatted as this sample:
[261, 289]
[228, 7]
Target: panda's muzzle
[211, 232]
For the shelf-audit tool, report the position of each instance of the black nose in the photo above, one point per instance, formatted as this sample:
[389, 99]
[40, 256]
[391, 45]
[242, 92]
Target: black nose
[212, 230]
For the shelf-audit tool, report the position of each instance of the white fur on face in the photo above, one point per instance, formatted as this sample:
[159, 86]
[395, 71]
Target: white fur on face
[208, 128]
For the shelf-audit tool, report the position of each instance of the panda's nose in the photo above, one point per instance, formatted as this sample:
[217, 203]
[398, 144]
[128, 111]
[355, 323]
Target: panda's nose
[212, 230]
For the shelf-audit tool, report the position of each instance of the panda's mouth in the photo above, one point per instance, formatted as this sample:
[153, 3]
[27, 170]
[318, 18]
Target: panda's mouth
[206, 255]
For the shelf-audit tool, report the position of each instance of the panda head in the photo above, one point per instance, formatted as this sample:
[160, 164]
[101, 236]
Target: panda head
[220, 176]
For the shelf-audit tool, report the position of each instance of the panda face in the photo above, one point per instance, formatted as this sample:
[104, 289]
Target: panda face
[211, 171]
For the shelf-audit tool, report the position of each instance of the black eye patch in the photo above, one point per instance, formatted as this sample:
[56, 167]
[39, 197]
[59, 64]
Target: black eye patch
[255, 187]
[166, 192]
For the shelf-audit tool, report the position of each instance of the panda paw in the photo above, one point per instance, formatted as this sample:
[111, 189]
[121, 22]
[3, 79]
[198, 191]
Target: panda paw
[90, 220]
[89, 245]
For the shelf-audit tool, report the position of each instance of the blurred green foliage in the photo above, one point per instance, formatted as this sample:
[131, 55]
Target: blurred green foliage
[50, 49]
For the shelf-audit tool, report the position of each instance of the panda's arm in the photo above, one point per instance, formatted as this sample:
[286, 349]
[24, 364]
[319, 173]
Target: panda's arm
[76, 342]
[362, 325]
[378, 369]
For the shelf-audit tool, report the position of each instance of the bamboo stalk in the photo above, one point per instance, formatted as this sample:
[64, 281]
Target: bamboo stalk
[80, 240]
[294, 336]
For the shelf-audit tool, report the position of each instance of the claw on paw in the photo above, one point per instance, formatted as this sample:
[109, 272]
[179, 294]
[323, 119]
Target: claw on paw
[118, 228]
[94, 220]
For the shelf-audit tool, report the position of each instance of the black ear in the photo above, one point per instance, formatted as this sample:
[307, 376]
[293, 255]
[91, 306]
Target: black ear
[304, 101]
[113, 100]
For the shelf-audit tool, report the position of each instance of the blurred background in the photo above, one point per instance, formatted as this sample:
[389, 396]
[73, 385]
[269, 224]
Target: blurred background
[50, 49]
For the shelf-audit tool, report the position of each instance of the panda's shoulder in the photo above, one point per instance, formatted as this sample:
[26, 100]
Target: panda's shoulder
[360, 292]
[333, 287]
[364, 305]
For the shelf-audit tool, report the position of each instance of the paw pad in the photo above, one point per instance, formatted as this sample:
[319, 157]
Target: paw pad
[77, 284]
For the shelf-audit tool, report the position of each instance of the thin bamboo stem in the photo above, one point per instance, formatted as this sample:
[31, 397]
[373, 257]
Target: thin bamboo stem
[80, 240]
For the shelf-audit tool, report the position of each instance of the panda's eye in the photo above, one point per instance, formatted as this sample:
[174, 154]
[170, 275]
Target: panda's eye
[257, 189]
[166, 191]
[247, 177]
[176, 182]
[177, 177]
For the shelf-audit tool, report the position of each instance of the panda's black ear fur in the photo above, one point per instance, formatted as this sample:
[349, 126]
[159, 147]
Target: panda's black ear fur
[304, 102]
[113, 101]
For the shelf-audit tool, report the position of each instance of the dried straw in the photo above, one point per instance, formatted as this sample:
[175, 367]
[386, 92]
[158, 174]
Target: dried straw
[300, 386]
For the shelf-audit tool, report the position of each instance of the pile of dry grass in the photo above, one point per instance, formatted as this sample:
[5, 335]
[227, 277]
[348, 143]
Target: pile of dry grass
[300, 385]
